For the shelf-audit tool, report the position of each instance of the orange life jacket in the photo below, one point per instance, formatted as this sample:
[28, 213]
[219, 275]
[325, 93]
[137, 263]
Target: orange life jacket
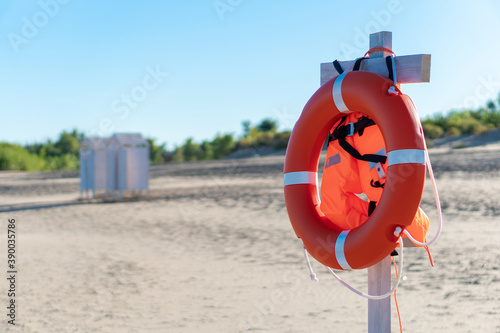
[354, 175]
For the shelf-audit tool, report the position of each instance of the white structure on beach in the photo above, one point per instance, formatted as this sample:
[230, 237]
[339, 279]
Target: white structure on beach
[119, 163]
[127, 163]
[92, 165]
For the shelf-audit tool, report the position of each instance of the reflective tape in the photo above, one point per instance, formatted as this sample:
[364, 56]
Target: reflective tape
[403, 156]
[337, 94]
[332, 160]
[380, 152]
[339, 250]
[301, 177]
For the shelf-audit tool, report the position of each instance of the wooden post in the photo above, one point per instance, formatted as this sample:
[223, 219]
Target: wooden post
[379, 275]
[409, 69]
[379, 283]
[381, 39]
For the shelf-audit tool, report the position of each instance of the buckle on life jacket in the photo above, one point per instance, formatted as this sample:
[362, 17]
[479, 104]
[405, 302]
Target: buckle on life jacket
[380, 170]
[376, 169]
[343, 131]
[350, 129]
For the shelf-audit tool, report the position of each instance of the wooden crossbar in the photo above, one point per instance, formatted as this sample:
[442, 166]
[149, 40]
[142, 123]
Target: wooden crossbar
[409, 68]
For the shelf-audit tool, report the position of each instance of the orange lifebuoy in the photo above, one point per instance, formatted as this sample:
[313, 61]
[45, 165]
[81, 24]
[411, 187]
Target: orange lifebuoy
[378, 98]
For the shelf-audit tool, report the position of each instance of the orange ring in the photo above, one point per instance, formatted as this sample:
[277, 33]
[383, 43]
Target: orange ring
[397, 119]
[379, 48]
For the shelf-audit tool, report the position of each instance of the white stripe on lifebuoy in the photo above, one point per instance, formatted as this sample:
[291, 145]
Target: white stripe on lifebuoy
[404, 156]
[301, 177]
[339, 250]
[337, 94]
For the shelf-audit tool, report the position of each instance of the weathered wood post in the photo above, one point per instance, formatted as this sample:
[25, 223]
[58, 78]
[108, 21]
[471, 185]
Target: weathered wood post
[379, 275]
[409, 69]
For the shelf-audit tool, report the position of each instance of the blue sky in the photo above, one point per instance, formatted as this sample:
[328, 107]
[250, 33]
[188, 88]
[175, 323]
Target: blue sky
[178, 69]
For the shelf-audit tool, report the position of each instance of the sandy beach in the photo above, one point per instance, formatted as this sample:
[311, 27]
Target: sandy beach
[212, 250]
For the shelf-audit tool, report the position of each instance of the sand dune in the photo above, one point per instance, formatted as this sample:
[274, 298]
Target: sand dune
[212, 250]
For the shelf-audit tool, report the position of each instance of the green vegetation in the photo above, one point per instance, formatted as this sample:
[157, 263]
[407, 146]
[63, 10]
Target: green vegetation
[264, 134]
[156, 153]
[463, 121]
[60, 155]
[15, 157]
[64, 154]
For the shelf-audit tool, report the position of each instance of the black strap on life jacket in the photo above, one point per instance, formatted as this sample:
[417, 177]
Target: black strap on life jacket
[337, 66]
[366, 157]
[342, 131]
[388, 62]
[371, 207]
[356, 66]
[350, 129]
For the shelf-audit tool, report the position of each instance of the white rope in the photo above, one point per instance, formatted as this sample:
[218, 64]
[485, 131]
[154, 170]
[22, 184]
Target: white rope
[376, 297]
[438, 205]
[372, 297]
[312, 275]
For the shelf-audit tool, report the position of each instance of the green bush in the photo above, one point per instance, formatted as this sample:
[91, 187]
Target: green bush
[263, 134]
[452, 131]
[68, 144]
[256, 138]
[223, 145]
[267, 125]
[192, 151]
[60, 155]
[156, 152]
[178, 154]
[281, 139]
[432, 131]
[458, 122]
[15, 157]
[62, 162]
[207, 151]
